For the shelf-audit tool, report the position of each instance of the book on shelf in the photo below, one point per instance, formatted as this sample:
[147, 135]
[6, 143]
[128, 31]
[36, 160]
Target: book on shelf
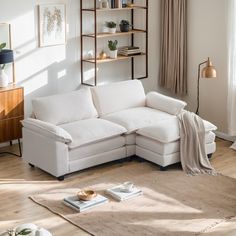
[129, 54]
[129, 47]
[79, 205]
[129, 51]
[118, 3]
[112, 3]
[119, 194]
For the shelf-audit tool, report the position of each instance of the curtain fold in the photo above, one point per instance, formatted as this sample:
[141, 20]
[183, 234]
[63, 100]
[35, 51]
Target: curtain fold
[232, 70]
[173, 54]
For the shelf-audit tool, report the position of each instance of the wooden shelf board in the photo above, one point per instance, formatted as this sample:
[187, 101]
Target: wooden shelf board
[99, 61]
[118, 33]
[115, 9]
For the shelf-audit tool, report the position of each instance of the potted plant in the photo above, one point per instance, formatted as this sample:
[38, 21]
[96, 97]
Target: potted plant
[112, 45]
[124, 26]
[111, 25]
[13, 232]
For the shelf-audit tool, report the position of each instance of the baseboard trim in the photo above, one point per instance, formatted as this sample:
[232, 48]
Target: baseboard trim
[225, 136]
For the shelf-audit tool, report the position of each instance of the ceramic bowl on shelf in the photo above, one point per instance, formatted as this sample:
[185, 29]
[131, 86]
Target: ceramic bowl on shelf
[86, 195]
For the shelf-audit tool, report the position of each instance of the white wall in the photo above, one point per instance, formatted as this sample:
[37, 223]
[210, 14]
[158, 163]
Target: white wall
[207, 37]
[50, 70]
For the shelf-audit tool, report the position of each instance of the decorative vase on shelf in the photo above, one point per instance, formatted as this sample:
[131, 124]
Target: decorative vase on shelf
[103, 4]
[3, 79]
[113, 54]
[102, 55]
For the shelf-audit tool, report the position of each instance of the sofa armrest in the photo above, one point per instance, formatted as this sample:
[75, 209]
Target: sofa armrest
[164, 103]
[46, 129]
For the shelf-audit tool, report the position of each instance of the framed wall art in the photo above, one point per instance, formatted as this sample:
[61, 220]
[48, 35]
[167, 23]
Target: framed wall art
[52, 24]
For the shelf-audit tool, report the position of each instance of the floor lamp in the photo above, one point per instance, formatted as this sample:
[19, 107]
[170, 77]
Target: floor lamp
[207, 72]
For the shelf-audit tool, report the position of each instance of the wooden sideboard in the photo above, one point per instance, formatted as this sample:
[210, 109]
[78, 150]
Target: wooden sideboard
[11, 113]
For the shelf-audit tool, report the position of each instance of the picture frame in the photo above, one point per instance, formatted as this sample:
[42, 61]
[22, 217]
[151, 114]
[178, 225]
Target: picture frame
[52, 24]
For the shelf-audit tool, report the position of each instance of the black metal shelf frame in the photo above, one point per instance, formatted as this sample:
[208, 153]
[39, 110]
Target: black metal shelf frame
[95, 11]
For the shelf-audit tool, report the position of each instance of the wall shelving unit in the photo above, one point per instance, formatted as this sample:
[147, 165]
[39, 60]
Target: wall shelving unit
[97, 35]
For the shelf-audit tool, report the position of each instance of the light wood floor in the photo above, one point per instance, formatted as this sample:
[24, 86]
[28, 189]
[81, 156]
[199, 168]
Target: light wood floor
[18, 181]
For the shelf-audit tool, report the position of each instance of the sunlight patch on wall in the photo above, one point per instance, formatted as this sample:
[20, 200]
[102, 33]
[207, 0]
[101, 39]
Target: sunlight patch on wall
[89, 74]
[23, 29]
[61, 74]
[35, 82]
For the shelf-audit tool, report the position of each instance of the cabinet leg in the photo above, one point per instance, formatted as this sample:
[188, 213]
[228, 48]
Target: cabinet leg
[14, 154]
[20, 151]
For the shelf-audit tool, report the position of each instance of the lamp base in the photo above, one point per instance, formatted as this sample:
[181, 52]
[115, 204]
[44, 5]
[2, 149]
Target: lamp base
[3, 79]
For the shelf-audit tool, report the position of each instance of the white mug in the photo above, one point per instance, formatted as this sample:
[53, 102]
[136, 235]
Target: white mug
[42, 232]
[128, 186]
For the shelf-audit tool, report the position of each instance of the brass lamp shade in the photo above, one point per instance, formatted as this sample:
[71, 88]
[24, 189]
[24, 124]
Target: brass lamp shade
[209, 71]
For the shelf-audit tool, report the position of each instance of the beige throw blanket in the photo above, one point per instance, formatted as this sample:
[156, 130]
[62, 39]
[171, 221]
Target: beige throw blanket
[193, 155]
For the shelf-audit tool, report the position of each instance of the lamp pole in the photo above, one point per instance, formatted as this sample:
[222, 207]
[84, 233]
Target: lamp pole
[198, 85]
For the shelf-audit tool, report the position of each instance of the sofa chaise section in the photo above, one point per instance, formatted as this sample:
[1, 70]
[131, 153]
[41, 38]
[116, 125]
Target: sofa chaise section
[152, 119]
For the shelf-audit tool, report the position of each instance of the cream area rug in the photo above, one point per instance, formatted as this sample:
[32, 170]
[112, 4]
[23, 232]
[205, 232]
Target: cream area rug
[172, 202]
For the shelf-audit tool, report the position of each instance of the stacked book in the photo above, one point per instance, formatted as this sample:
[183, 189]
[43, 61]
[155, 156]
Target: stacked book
[129, 51]
[79, 205]
[116, 3]
[120, 194]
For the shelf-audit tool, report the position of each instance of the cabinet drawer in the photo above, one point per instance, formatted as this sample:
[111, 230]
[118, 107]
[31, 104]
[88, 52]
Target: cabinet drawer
[11, 103]
[10, 129]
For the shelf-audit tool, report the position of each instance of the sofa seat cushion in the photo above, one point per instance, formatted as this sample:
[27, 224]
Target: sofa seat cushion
[96, 148]
[167, 131]
[136, 118]
[166, 148]
[92, 130]
[65, 108]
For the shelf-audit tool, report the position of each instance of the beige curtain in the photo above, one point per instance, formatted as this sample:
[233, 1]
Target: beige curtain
[173, 57]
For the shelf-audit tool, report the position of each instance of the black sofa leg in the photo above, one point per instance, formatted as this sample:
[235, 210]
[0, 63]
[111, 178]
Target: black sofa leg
[209, 155]
[61, 178]
[163, 168]
[31, 165]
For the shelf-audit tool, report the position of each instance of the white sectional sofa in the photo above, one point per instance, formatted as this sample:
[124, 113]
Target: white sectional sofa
[91, 126]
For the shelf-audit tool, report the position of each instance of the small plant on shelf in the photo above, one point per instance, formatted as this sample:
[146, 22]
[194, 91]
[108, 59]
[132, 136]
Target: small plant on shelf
[111, 25]
[124, 26]
[112, 45]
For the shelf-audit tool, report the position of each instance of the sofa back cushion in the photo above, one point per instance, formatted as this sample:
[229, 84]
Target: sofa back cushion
[65, 108]
[118, 96]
